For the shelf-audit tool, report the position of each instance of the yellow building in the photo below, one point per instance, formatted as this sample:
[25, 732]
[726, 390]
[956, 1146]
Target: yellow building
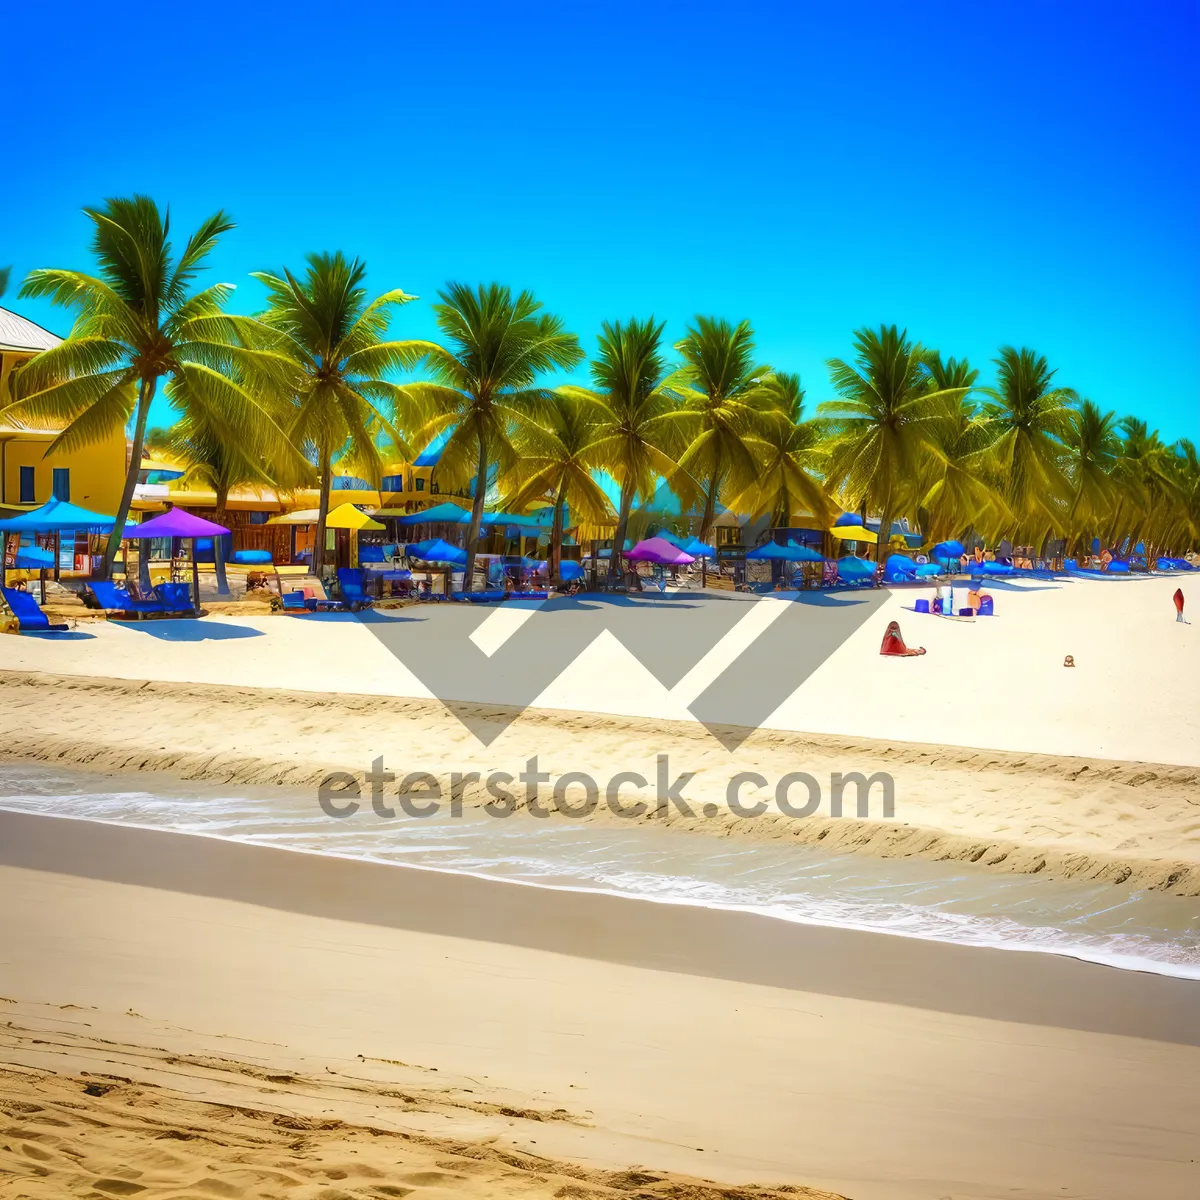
[91, 477]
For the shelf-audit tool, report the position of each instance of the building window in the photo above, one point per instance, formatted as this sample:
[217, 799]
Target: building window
[420, 485]
[62, 483]
[27, 493]
[393, 483]
[259, 518]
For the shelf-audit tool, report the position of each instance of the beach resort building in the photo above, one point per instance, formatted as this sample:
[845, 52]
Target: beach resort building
[91, 476]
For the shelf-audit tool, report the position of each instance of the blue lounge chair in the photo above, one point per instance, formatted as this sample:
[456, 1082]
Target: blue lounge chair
[114, 599]
[297, 600]
[175, 598]
[350, 583]
[30, 618]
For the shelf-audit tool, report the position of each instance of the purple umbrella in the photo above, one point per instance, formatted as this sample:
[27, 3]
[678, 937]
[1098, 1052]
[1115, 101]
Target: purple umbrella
[177, 523]
[659, 550]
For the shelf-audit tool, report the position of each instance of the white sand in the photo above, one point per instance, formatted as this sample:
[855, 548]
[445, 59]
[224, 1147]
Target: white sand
[993, 683]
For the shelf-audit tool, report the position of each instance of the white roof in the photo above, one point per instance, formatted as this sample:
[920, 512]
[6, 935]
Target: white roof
[16, 333]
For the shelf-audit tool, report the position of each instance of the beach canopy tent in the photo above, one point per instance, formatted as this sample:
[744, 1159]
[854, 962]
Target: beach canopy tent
[175, 522]
[660, 551]
[57, 516]
[851, 532]
[689, 545]
[435, 550]
[440, 514]
[854, 570]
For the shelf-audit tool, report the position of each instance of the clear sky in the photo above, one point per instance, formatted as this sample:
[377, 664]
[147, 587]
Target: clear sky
[981, 174]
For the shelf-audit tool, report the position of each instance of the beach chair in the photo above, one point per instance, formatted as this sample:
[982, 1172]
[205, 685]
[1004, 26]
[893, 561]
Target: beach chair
[30, 618]
[297, 600]
[118, 600]
[350, 583]
[175, 599]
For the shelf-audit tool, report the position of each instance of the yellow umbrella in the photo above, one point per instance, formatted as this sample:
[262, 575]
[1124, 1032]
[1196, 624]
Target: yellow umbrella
[854, 533]
[303, 516]
[346, 516]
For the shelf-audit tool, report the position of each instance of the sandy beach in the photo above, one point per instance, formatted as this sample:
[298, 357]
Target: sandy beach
[266, 1022]
[409, 1001]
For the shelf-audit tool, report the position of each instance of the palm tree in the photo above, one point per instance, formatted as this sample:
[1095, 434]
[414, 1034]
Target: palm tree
[789, 455]
[1031, 421]
[728, 401]
[484, 387]
[630, 377]
[953, 486]
[1151, 499]
[883, 422]
[1092, 446]
[337, 342]
[4, 273]
[138, 322]
[557, 468]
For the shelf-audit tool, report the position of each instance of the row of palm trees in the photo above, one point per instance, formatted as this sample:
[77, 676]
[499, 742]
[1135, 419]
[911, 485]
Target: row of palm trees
[316, 380]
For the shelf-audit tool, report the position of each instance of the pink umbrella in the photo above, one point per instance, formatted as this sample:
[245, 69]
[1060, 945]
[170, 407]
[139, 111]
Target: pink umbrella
[659, 550]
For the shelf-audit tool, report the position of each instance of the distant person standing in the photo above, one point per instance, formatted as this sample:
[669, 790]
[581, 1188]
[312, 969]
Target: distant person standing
[1178, 598]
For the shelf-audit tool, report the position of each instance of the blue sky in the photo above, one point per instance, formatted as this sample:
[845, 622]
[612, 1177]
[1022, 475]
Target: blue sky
[1023, 173]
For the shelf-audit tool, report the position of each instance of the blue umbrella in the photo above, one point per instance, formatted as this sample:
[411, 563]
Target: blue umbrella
[441, 514]
[789, 553]
[57, 515]
[849, 519]
[435, 550]
[804, 553]
[949, 550]
[853, 569]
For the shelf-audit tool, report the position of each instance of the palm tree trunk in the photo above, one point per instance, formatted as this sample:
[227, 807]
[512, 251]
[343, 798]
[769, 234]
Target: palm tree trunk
[623, 511]
[145, 396]
[556, 536]
[219, 546]
[710, 501]
[885, 528]
[318, 559]
[476, 513]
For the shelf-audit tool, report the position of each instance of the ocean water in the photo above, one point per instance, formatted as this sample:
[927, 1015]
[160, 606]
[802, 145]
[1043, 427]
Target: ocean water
[1137, 930]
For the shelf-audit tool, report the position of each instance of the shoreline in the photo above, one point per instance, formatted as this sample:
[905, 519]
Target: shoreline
[863, 1059]
[1085, 819]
